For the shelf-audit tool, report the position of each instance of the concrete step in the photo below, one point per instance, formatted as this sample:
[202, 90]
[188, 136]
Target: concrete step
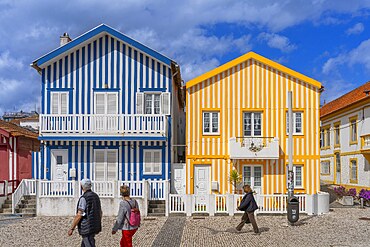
[26, 215]
[7, 201]
[28, 197]
[6, 205]
[26, 211]
[157, 205]
[26, 206]
[157, 202]
[28, 201]
[156, 214]
[156, 210]
[6, 210]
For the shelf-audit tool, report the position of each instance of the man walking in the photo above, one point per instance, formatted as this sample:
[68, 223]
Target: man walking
[88, 215]
[248, 205]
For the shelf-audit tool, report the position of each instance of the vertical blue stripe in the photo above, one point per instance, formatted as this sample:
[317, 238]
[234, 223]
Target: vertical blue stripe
[100, 62]
[48, 92]
[123, 160]
[106, 60]
[112, 65]
[83, 82]
[43, 91]
[129, 161]
[33, 164]
[164, 68]
[54, 74]
[76, 155]
[170, 81]
[88, 79]
[60, 73]
[133, 94]
[48, 162]
[129, 81]
[74, 90]
[77, 103]
[158, 74]
[69, 143]
[136, 173]
[95, 83]
[153, 78]
[118, 70]
[82, 159]
[123, 89]
[66, 72]
[141, 70]
[88, 161]
[42, 165]
[147, 72]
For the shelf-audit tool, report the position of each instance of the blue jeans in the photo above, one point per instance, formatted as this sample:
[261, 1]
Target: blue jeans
[88, 241]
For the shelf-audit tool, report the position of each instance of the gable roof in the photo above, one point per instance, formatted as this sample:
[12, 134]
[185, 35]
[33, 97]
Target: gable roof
[16, 130]
[255, 56]
[348, 99]
[103, 28]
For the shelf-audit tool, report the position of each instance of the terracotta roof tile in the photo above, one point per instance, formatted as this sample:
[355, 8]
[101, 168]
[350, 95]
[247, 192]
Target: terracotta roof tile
[350, 98]
[16, 130]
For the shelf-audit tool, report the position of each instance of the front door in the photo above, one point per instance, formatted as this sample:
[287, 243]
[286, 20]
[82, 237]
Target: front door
[252, 175]
[59, 165]
[201, 179]
[178, 178]
[338, 168]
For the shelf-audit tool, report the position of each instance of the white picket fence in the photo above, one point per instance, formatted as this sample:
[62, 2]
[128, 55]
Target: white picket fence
[227, 204]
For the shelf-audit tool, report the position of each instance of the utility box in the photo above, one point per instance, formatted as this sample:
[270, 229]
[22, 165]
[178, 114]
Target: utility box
[72, 172]
[293, 209]
[214, 185]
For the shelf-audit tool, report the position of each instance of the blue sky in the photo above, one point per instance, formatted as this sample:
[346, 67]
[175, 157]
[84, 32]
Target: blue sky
[326, 40]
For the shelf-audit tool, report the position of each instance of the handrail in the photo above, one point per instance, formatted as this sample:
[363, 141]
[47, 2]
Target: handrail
[18, 194]
[3, 188]
[12, 184]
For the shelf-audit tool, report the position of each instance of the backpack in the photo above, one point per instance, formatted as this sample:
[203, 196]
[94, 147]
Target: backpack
[135, 217]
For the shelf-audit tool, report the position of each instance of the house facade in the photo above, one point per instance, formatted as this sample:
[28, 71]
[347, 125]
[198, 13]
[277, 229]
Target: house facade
[111, 109]
[16, 147]
[345, 139]
[236, 118]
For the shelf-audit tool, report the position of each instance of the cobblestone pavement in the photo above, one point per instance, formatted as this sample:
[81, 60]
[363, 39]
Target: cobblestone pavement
[341, 227]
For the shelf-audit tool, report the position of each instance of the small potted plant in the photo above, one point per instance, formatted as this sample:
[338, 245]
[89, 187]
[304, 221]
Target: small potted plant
[345, 197]
[365, 195]
[235, 179]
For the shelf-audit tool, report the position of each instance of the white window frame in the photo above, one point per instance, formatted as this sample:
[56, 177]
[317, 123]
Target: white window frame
[106, 101]
[294, 123]
[353, 180]
[295, 176]
[151, 164]
[211, 132]
[59, 95]
[153, 94]
[252, 167]
[325, 167]
[252, 123]
[105, 163]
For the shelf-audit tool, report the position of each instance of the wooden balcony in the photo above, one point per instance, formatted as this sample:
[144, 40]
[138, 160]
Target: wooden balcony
[254, 148]
[103, 125]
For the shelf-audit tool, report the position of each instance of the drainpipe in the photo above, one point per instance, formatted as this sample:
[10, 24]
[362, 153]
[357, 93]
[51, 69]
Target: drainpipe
[290, 148]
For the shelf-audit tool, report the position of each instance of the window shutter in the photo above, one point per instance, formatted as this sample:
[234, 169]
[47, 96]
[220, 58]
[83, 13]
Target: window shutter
[100, 103]
[54, 103]
[166, 103]
[112, 103]
[111, 165]
[139, 103]
[147, 162]
[99, 165]
[63, 103]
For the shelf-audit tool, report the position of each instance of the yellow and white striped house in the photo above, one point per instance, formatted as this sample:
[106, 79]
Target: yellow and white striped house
[236, 117]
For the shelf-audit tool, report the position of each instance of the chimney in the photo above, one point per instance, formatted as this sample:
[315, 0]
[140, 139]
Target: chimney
[64, 39]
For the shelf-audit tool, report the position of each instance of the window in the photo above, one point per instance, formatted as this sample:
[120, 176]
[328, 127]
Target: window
[252, 123]
[59, 102]
[336, 135]
[325, 137]
[211, 123]
[252, 175]
[152, 162]
[297, 123]
[153, 103]
[106, 103]
[353, 171]
[298, 176]
[353, 130]
[325, 167]
[106, 165]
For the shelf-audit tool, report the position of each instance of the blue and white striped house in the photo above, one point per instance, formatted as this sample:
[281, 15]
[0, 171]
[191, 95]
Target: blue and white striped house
[111, 110]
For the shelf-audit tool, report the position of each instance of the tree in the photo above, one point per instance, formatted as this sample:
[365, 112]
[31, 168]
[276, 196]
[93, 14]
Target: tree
[235, 179]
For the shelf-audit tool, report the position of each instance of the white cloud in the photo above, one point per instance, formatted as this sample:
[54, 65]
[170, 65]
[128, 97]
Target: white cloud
[356, 29]
[6, 61]
[358, 56]
[277, 41]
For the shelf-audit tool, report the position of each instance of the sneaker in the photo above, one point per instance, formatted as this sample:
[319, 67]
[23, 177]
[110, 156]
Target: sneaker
[257, 233]
[238, 229]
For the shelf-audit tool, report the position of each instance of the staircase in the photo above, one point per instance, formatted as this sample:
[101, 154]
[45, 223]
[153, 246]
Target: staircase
[157, 208]
[26, 207]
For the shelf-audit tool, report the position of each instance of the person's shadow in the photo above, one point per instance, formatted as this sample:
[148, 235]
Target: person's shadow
[233, 230]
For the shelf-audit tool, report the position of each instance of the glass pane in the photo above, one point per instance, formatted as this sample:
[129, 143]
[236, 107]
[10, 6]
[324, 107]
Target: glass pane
[247, 124]
[63, 103]
[55, 103]
[157, 104]
[354, 170]
[99, 165]
[337, 135]
[327, 133]
[147, 157]
[59, 160]
[112, 103]
[354, 131]
[156, 167]
[214, 122]
[100, 103]
[247, 175]
[257, 176]
[298, 122]
[148, 103]
[338, 162]
[157, 156]
[257, 124]
[206, 122]
[298, 176]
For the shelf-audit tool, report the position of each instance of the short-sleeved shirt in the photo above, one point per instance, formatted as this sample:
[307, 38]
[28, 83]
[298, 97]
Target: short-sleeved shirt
[82, 205]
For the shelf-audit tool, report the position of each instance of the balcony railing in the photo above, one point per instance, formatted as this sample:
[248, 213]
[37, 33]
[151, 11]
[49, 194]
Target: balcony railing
[110, 124]
[254, 148]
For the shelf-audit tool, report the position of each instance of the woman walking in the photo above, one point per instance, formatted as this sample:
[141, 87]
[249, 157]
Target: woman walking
[124, 219]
